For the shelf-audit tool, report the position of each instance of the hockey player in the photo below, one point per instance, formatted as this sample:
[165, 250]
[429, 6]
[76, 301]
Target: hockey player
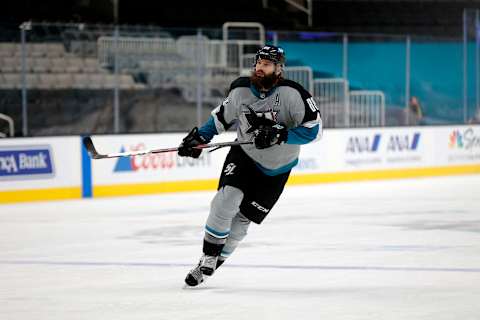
[279, 115]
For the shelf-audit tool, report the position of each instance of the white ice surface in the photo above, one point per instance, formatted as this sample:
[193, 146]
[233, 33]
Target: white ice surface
[407, 249]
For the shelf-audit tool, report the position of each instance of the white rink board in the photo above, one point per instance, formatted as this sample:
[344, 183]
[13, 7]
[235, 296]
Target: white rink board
[372, 149]
[371, 152]
[459, 145]
[65, 158]
[153, 167]
[346, 150]
[391, 148]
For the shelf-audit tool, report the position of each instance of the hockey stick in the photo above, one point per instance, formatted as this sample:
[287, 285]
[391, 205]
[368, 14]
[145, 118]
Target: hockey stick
[88, 143]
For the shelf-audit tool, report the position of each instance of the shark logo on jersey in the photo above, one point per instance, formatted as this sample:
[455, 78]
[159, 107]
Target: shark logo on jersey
[253, 121]
[270, 114]
[256, 119]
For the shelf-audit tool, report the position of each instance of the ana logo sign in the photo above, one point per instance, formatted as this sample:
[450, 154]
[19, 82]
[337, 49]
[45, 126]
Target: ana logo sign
[466, 140]
[158, 161]
[399, 143]
[361, 144]
[28, 162]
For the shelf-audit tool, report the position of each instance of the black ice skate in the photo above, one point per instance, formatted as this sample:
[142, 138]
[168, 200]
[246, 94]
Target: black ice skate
[195, 276]
[205, 267]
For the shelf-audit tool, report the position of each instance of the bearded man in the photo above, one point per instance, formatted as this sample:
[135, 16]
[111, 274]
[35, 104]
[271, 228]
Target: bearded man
[278, 115]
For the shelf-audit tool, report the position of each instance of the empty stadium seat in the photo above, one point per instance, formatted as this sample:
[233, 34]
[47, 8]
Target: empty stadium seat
[41, 64]
[55, 50]
[74, 65]
[80, 80]
[8, 64]
[109, 81]
[7, 49]
[37, 49]
[33, 80]
[58, 65]
[63, 81]
[46, 81]
[97, 81]
[13, 64]
[126, 81]
[90, 65]
[12, 80]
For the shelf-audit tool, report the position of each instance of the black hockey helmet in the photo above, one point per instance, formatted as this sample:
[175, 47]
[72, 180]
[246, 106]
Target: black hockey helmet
[272, 53]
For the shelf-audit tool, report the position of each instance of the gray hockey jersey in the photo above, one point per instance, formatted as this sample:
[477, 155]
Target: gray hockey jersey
[287, 103]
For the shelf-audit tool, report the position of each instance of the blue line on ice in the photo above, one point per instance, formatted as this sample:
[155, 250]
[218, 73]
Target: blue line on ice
[254, 266]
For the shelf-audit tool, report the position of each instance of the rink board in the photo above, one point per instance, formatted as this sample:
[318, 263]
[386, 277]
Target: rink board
[44, 168]
[61, 168]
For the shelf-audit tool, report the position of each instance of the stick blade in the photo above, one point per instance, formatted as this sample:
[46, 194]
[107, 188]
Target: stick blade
[88, 143]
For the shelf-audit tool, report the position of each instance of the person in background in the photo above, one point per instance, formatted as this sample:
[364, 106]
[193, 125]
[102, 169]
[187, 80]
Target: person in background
[476, 117]
[414, 112]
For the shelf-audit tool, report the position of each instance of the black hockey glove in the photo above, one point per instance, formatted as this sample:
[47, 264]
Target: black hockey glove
[257, 121]
[267, 136]
[266, 132]
[191, 140]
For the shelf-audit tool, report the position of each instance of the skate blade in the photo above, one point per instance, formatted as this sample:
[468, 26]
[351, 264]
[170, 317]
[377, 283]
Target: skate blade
[198, 286]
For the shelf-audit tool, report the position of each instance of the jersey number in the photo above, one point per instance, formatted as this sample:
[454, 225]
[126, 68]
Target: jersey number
[312, 105]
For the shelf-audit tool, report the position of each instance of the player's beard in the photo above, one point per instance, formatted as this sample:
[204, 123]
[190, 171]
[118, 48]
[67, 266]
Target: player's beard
[265, 82]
